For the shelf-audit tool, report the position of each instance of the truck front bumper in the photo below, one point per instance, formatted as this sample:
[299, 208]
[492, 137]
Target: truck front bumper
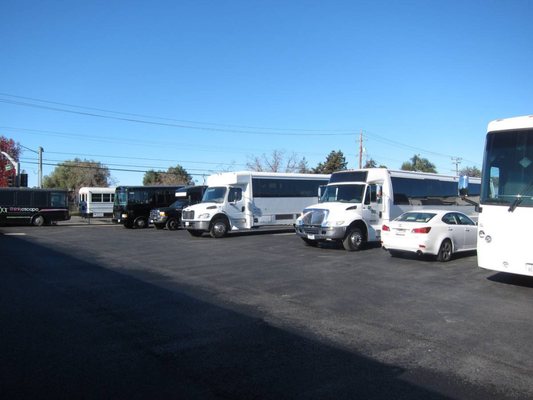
[196, 225]
[317, 232]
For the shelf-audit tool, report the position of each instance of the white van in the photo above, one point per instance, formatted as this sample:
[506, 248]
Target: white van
[245, 200]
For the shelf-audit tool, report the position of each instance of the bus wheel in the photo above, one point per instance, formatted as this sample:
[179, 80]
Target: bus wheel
[172, 224]
[38, 220]
[354, 240]
[445, 251]
[141, 223]
[219, 228]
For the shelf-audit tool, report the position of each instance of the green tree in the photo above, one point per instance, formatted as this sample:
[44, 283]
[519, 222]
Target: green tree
[173, 176]
[335, 161]
[418, 163]
[12, 148]
[470, 171]
[73, 174]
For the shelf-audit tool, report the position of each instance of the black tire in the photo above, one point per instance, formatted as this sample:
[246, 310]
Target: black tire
[172, 224]
[159, 226]
[309, 242]
[141, 223]
[219, 228]
[38, 220]
[354, 240]
[195, 233]
[445, 251]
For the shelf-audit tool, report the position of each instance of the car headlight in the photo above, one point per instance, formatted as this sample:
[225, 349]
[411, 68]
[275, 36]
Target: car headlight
[124, 216]
[162, 214]
[203, 216]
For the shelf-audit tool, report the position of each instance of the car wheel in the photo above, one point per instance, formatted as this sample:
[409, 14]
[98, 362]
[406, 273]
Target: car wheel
[445, 251]
[172, 224]
[195, 233]
[219, 228]
[309, 242]
[38, 220]
[141, 223]
[354, 240]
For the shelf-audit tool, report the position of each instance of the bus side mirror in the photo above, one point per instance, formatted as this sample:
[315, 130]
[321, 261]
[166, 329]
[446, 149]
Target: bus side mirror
[463, 186]
[321, 190]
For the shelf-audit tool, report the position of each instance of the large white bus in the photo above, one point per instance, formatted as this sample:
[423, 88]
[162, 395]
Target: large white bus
[96, 201]
[506, 203]
[356, 203]
[245, 200]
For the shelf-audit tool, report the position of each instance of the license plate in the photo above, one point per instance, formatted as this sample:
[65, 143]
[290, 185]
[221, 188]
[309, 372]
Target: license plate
[311, 237]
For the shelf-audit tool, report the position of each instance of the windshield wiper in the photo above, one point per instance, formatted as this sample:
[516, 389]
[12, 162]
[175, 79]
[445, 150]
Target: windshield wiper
[520, 197]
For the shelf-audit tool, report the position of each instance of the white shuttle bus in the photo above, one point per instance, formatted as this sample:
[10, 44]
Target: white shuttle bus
[96, 202]
[356, 203]
[245, 200]
[506, 203]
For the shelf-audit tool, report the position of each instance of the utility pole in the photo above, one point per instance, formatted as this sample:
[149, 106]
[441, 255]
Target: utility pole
[361, 149]
[40, 175]
[456, 161]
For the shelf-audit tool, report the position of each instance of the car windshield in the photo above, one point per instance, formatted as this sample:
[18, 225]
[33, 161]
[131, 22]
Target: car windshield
[182, 203]
[214, 195]
[352, 193]
[415, 217]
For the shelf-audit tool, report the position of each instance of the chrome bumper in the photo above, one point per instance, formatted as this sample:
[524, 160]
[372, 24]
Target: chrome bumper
[316, 232]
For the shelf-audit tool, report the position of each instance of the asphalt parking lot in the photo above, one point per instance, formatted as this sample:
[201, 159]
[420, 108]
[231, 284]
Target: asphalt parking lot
[99, 311]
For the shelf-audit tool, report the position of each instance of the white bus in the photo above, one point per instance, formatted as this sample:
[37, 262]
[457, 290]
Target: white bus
[506, 203]
[356, 203]
[96, 201]
[245, 200]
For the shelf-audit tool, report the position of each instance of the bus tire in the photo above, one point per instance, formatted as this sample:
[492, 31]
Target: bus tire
[172, 224]
[445, 251]
[219, 228]
[195, 233]
[38, 220]
[354, 239]
[141, 223]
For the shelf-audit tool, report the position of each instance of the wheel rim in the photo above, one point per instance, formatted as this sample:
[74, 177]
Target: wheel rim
[172, 225]
[356, 239]
[219, 228]
[446, 251]
[141, 223]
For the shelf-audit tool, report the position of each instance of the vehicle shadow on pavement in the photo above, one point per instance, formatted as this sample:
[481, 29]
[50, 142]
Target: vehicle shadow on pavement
[74, 329]
[512, 279]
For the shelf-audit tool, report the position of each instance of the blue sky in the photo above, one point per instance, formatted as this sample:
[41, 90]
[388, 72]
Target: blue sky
[210, 84]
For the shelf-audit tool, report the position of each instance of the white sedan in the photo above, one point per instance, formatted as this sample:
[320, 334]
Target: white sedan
[435, 232]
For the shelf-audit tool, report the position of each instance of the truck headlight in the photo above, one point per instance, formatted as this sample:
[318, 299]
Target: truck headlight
[124, 216]
[162, 214]
[203, 216]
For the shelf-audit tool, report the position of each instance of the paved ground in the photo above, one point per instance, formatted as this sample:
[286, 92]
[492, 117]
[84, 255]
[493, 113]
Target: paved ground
[99, 311]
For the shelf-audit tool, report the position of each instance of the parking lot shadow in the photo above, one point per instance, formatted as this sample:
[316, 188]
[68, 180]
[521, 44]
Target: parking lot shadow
[74, 329]
[512, 279]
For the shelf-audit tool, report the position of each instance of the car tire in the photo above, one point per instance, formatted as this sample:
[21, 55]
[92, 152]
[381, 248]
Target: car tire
[445, 251]
[172, 224]
[354, 240]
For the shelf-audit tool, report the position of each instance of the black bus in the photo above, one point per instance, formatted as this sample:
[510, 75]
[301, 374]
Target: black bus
[33, 206]
[133, 203]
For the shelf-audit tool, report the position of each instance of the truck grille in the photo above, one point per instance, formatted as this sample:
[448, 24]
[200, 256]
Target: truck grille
[309, 229]
[314, 217]
[187, 214]
[154, 214]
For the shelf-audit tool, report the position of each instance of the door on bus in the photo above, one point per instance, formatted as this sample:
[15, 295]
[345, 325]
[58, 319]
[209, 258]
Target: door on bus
[236, 208]
[372, 211]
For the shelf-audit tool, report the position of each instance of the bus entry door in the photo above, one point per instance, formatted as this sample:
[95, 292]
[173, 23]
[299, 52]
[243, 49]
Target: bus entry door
[236, 208]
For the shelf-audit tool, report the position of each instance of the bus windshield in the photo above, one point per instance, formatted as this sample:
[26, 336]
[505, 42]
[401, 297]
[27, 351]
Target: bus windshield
[508, 169]
[215, 194]
[352, 193]
[121, 198]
